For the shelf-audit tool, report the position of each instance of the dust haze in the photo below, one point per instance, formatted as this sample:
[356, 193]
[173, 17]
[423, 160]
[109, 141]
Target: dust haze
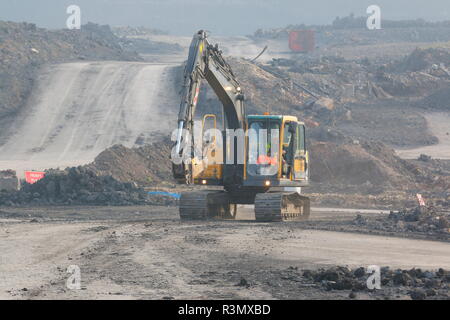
[86, 177]
[237, 17]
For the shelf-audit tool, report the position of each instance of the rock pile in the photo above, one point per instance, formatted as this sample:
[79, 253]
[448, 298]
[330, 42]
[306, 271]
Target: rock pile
[116, 177]
[417, 283]
[423, 59]
[425, 221]
[421, 219]
[440, 99]
[76, 186]
[148, 165]
[9, 181]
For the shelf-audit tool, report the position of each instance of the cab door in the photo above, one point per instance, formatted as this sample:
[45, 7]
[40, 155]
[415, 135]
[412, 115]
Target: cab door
[209, 169]
[301, 159]
[288, 149]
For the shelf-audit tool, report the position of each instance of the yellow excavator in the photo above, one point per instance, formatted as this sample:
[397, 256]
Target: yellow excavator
[256, 159]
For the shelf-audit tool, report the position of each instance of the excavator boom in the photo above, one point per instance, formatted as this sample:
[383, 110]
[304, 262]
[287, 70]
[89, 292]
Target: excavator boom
[205, 62]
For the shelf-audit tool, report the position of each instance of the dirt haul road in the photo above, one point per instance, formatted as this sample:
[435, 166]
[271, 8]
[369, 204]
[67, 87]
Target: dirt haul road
[77, 110]
[439, 126]
[148, 253]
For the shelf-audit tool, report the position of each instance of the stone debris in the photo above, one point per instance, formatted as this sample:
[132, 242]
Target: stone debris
[419, 221]
[147, 166]
[418, 284]
[81, 186]
[424, 158]
[9, 181]
[423, 219]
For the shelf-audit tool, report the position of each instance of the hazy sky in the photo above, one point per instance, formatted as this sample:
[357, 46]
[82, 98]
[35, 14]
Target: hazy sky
[227, 17]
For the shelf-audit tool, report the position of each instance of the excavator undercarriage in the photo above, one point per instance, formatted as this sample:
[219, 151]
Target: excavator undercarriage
[204, 205]
[281, 206]
[220, 205]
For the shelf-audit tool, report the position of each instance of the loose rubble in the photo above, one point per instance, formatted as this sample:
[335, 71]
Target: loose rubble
[147, 166]
[418, 284]
[426, 221]
[75, 186]
[9, 181]
[81, 186]
[421, 219]
[343, 282]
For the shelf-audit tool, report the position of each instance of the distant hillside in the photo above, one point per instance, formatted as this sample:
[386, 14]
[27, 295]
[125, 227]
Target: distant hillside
[25, 47]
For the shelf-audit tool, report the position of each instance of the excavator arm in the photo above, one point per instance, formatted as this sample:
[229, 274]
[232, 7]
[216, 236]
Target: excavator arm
[205, 62]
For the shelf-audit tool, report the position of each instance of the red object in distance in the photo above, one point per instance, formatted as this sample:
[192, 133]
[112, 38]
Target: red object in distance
[302, 40]
[33, 176]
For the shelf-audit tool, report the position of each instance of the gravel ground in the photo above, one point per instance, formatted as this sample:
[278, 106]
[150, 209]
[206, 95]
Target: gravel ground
[146, 252]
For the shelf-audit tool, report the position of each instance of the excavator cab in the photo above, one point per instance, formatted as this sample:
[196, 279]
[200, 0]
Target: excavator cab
[277, 154]
[263, 146]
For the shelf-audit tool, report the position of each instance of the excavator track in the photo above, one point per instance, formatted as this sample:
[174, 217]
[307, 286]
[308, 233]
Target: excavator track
[279, 206]
[206, 205]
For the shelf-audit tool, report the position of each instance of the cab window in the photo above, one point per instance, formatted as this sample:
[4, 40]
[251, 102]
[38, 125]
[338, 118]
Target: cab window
[301, 138]
[287, 134]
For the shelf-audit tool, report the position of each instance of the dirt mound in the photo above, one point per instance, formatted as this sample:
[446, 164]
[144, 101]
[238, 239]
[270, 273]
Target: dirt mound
[422, 59]
[440, 99]
[116, 177]
[9, 181]
[266, 92]
[345, 164]
[370, 167]
[79, 186]
[146, 166]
